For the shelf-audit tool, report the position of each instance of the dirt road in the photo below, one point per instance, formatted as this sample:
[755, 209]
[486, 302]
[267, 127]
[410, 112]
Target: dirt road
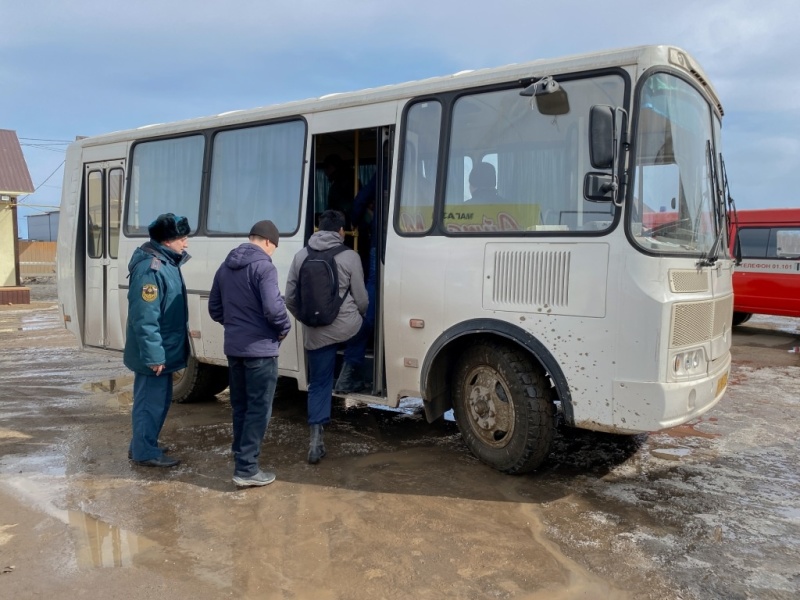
[398, 509]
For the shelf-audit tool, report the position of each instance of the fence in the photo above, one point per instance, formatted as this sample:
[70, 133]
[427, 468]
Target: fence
[36, 258]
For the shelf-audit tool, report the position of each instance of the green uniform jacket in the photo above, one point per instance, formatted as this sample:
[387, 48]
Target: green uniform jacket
[157, 332]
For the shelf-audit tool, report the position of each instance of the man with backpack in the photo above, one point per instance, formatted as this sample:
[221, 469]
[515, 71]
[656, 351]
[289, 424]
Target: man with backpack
[325, 291]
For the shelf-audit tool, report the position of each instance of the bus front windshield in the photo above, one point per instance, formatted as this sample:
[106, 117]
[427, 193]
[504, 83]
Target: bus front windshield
[674, 189]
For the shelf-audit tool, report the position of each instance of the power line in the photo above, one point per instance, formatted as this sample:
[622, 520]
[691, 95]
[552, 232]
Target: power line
[46, 140]
[45, 147]
[37, 206]
[41, 184]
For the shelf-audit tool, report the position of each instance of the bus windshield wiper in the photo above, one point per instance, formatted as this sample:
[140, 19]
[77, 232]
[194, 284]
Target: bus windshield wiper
[731, 210]
[711, 257]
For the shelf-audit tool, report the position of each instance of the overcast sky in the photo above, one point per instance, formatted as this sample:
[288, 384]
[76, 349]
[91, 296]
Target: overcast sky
[88, 67]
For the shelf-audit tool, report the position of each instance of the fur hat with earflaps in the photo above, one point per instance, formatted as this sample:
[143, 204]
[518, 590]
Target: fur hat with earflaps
[168, 227]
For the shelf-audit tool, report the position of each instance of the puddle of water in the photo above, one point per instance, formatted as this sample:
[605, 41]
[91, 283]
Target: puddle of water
[688, 430]
[103, 545]
[50, 464]
[783, 324]
[109, 386]
[11, 434]
[122, 401]
[670, 453]
[791, 513]
[98, 544]
[37, 322]
[114, 393]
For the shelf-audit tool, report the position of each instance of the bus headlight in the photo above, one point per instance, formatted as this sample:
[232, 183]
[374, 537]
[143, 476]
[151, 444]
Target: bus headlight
[689, 362]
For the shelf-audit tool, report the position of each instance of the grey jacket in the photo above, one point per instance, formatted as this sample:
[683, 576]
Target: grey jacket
[351, 281]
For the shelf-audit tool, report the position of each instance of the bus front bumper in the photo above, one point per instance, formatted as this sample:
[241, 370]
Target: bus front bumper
[641, 406]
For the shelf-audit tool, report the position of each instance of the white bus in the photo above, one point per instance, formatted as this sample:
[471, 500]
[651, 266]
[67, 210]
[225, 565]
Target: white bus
[591, 288]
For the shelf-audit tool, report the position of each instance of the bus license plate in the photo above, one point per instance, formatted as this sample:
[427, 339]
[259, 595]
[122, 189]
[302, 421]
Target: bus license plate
[723, 381]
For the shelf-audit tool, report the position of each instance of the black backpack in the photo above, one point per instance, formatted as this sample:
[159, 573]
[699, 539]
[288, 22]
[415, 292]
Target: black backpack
[317, 292]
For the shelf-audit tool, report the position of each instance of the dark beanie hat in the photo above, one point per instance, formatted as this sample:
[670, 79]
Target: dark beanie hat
[168, 227]
[266, 230]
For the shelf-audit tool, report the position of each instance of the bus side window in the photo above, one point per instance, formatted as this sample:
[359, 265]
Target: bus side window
[415, 206]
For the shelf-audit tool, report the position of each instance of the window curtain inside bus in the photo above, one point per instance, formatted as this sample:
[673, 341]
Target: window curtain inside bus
[323, 185]
[256, 174]
[166, 177]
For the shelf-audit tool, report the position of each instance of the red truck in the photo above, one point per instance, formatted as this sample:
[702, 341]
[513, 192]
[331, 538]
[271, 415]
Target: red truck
[768, 279]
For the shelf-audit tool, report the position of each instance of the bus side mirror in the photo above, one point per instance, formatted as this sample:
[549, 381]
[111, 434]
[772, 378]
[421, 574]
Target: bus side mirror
[601, 137]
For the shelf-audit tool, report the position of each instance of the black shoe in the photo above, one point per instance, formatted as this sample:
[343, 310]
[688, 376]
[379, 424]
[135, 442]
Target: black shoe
[164, 449]
[161, 461]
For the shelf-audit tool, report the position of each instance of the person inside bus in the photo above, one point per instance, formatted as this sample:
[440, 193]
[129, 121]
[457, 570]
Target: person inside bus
[340, 193]
[351, 377]
[483, 185]
[157, 333]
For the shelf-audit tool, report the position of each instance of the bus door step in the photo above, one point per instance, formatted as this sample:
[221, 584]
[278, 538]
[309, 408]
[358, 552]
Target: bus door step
[364, 398]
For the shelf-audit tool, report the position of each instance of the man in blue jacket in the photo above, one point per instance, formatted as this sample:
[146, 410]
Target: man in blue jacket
[246, 299]
[157, 333]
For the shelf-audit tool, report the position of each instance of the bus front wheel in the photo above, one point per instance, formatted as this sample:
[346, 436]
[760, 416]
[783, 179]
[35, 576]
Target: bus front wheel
[198, 382]
[502, 407]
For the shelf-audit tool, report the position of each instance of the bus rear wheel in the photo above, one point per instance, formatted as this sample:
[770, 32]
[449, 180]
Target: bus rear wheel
[503, 407]
[198, 382]
[741, 317]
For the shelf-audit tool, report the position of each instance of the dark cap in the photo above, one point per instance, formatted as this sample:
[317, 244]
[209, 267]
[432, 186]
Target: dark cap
[168, 227]
[266, 230]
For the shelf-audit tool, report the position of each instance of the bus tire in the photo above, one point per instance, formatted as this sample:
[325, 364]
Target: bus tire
[503, 407]
[198, 382]
[741, 317]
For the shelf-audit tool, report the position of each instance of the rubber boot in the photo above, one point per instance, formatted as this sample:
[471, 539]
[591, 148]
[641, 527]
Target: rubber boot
[316, 448]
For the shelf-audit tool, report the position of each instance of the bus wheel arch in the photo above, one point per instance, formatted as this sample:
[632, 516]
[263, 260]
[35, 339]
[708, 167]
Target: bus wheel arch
[198, 382]
[466, 359]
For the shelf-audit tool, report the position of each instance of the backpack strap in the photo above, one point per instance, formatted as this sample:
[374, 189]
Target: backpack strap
[329, 251]
[325, 254]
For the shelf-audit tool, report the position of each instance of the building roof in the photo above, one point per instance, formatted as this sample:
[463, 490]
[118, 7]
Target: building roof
[14, 176]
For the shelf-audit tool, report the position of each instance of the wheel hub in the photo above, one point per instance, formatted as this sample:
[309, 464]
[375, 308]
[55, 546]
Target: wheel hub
[489, 407]
[482, 408]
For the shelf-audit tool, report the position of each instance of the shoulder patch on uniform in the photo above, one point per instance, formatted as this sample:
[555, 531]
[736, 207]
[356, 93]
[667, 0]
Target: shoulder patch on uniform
[155, 264]
[149, 292]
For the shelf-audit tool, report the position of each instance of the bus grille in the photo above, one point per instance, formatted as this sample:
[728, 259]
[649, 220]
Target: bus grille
[723, 314]
[688, 281]
[531, 278]
[698, 322]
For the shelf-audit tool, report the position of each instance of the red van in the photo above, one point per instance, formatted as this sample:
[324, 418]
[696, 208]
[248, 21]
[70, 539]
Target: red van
[768, 279]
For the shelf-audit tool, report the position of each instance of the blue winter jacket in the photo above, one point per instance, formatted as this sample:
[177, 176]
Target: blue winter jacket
[158, 315]
[246, 299]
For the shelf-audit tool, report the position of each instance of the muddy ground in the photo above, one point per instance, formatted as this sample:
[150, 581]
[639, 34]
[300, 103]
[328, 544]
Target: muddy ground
[398, 509]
